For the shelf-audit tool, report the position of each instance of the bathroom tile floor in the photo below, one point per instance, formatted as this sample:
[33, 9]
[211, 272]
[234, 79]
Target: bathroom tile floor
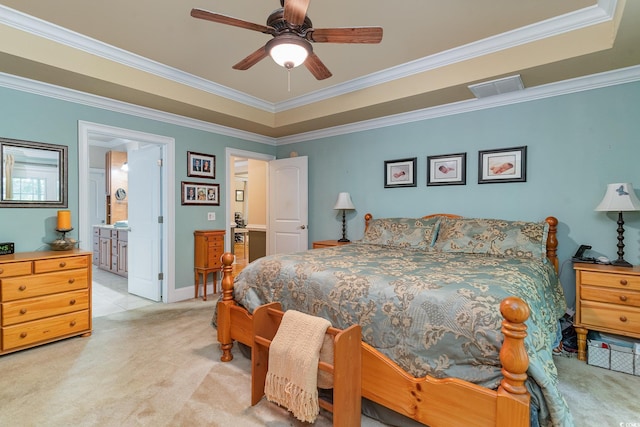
[110, 294]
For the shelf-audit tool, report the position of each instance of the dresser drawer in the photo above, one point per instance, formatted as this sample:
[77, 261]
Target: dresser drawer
[43, 284]
[51, 328]
[58, 264]
[47, 306]
[20, 268]
[610, 295]
[610, 280]
[609, 316]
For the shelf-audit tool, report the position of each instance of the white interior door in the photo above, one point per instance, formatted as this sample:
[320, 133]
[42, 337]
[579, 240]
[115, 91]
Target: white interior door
[145, 209]
[288, 205]
[97, 213]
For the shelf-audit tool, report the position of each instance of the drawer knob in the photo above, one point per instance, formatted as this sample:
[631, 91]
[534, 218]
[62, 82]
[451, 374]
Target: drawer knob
[623, 318]
[23, 335]
[72, 302]
[72, 280]
[22, 287]
[1, 270]
[623, 297]
[63, 264]
[72, 323]
[23, 311]
[623, 282]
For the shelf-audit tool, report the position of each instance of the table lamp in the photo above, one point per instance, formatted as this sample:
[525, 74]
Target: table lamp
[344, 203]
[619, 197]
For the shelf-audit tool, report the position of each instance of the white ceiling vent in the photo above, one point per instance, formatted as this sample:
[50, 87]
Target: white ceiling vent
[496, 87]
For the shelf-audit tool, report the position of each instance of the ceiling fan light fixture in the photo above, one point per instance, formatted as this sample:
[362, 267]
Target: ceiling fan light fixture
[288, 50]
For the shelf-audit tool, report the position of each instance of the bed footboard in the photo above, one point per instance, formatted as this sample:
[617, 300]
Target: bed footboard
[435, 402]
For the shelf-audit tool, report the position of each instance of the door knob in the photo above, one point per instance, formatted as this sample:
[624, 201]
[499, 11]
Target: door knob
[303, 227]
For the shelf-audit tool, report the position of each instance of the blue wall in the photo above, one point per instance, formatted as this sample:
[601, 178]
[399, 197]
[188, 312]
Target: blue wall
[577, 144]
[37, 118]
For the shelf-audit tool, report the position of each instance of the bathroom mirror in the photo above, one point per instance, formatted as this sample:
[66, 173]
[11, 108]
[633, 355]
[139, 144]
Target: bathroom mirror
[34, 174]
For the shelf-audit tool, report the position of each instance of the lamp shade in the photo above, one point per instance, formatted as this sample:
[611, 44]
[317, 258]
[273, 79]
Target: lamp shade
[618, 198]
[288, 51]
[344, 202]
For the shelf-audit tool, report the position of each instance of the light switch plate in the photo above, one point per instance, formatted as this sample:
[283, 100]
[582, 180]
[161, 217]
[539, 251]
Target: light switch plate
[211, 216]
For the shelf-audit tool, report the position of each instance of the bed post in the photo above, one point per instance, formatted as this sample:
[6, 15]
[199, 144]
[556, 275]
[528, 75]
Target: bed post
[224, 307]
[552, 241]
[515, 361]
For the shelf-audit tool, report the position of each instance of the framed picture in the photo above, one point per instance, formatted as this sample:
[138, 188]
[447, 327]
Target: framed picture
[503, 165]
[201, 165]
[450, 169]
[197, 193]
[400, 173]
[239, 195]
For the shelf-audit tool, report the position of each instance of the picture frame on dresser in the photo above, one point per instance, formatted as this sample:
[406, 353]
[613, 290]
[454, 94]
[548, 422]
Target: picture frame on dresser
[502, 165]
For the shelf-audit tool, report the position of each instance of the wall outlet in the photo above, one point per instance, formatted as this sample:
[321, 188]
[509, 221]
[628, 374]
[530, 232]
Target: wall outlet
[211, 216]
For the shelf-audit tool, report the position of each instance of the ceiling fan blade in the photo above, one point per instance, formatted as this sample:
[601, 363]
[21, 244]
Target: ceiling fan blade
[223, 19]
[346, 35]
[252, 59]
[316, 67]
[295, 11]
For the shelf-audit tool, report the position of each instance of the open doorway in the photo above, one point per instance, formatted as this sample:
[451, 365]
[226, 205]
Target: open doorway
[246, 206]
[99, 137]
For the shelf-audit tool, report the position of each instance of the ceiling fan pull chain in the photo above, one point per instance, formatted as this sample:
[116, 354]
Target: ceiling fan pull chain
[288, 79]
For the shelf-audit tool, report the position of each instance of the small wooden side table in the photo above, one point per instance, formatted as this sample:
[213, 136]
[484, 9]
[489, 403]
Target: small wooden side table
[208, 248]
[328, 244]
[607, 300]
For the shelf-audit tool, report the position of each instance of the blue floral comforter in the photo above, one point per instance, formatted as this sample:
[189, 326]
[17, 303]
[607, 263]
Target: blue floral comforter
[432, 313]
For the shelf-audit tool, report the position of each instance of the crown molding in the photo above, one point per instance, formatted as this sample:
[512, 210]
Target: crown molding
[580, 84]
[596, 81]
[601, 12]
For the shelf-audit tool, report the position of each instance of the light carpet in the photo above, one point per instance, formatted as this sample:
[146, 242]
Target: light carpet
[159, 366]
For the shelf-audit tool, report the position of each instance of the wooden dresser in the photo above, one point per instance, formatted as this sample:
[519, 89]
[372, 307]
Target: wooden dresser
[45, 296]
[607, 300]
[209, 247]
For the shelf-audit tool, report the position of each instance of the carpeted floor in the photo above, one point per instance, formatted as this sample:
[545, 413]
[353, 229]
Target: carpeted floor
[159, 366]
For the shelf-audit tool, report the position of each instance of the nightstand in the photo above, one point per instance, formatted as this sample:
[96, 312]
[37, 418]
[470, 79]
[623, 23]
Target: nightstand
[328, 244]
[607, 300]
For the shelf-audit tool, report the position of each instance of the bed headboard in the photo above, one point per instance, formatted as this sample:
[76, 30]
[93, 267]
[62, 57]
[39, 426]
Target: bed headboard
[552, 237]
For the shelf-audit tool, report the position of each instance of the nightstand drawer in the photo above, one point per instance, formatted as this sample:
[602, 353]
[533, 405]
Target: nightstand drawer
[612, 317]
[621, 281]
[613, 296]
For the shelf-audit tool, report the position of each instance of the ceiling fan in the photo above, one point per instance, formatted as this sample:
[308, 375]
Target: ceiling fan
[293, 33]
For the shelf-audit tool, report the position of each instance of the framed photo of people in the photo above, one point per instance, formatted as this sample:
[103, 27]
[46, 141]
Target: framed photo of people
[201, 165]
[198, 193]
[400, 173]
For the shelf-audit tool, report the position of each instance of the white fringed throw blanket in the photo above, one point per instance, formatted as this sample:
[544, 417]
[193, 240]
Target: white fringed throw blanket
[292, 377]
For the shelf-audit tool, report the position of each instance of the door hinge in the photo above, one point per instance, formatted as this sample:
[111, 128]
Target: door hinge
[160, 276]
[160, 162]
[160, 219]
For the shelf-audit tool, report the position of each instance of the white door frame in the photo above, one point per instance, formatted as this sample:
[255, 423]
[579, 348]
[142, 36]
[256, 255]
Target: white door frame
[168, 185]
[233, 152]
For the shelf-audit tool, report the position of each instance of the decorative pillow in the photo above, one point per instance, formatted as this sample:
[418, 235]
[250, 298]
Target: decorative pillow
[410, 233]
[518, 239]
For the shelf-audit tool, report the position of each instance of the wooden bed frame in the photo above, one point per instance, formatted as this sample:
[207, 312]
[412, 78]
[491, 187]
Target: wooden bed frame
[431, 401]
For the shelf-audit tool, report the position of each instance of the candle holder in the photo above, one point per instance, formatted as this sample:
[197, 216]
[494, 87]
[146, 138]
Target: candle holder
[63, 243]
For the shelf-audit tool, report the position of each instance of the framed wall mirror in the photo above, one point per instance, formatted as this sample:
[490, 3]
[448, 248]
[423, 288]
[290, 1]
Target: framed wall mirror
[34, 174]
